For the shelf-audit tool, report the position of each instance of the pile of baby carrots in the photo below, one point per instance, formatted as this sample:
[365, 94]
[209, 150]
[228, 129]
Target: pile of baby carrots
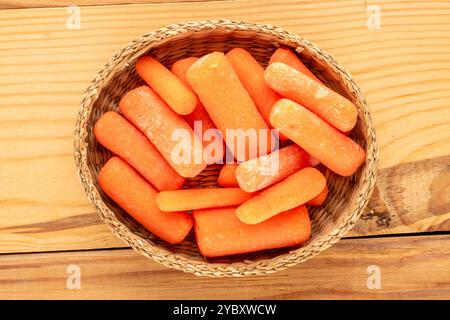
[254, 208]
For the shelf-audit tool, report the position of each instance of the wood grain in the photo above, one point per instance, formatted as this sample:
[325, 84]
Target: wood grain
[410, 268]
[44, 69]
[22, 4]
[409, 198]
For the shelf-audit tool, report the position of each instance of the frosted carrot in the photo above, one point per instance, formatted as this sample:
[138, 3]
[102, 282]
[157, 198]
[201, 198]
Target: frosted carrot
[138, 198]
[168, 131]
[332, 148]
[191, 199]
[167, 85]
[199, 115]
[319, 199]
[251, 75]
[259, 173]
[230, 107]
[219, 232]
[227, 176]
[119, 136]
[287, 56]
[293, 191]
[327, 104]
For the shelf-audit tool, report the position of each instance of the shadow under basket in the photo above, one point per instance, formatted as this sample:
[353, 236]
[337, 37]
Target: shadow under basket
[347, 197]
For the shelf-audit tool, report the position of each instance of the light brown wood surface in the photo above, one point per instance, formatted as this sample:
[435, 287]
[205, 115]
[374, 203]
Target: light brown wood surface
[44, 69]
[21, 4]
[402, 68]
[408, 270]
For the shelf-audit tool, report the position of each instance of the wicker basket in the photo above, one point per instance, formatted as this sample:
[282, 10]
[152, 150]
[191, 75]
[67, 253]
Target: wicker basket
[347, 197]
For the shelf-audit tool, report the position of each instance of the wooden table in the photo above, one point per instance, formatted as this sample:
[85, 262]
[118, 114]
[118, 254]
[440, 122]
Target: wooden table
[399, 53]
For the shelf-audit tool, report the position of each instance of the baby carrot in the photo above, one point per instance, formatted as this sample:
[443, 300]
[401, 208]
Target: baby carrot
[259, 173]
[167, 85]
[145, 109]
[227, 176]
[122, 138]
[219, 232]
[179, 69]
[332, 148]
[251, 75]
[319, 199]
[191, 199]
[287, 56]
[230, 106]
[293, 191]
[327, 104]
[138, 198]
[199, 115]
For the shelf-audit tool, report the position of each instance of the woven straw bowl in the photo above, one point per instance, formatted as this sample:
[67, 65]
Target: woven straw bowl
[347, 197]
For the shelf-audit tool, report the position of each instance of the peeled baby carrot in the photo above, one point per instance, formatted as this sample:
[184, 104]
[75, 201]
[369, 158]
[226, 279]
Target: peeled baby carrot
[219, 232]
[320, 198]
[138, 198]
[145, 109]
[230, 107]
[259, 173]
[179, 69]
[167, 85]
[251, 75]
[332, 148]
[227, 176]
[191, 199]
[327, 104]
[287, 56]
[293, 191]
[119, 136]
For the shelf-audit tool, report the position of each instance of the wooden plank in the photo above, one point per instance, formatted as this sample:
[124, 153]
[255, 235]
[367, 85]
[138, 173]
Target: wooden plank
[409, 268]
[44, 69]
[22, 4]
[408, 198]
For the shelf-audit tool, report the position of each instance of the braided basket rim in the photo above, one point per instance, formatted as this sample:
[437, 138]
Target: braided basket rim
[180, 261]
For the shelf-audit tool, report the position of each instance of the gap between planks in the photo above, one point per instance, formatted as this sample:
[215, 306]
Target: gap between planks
[124, 247]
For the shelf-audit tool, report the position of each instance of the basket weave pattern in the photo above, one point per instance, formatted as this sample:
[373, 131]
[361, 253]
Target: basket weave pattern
[347, 197]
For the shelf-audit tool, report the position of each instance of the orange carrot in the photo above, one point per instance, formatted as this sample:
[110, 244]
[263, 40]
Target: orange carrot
[332, 148]
[287, 56]
[251, 75]
[200, 115]
[145, 109]
[167, 85]
[320, 198]
[293, 191]
[230, 106]
[138, 198]
[179, 69]
[219, 232]
[227, 176]
[327, 104]
[259, 173]
[191, 199]
[122, 138]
